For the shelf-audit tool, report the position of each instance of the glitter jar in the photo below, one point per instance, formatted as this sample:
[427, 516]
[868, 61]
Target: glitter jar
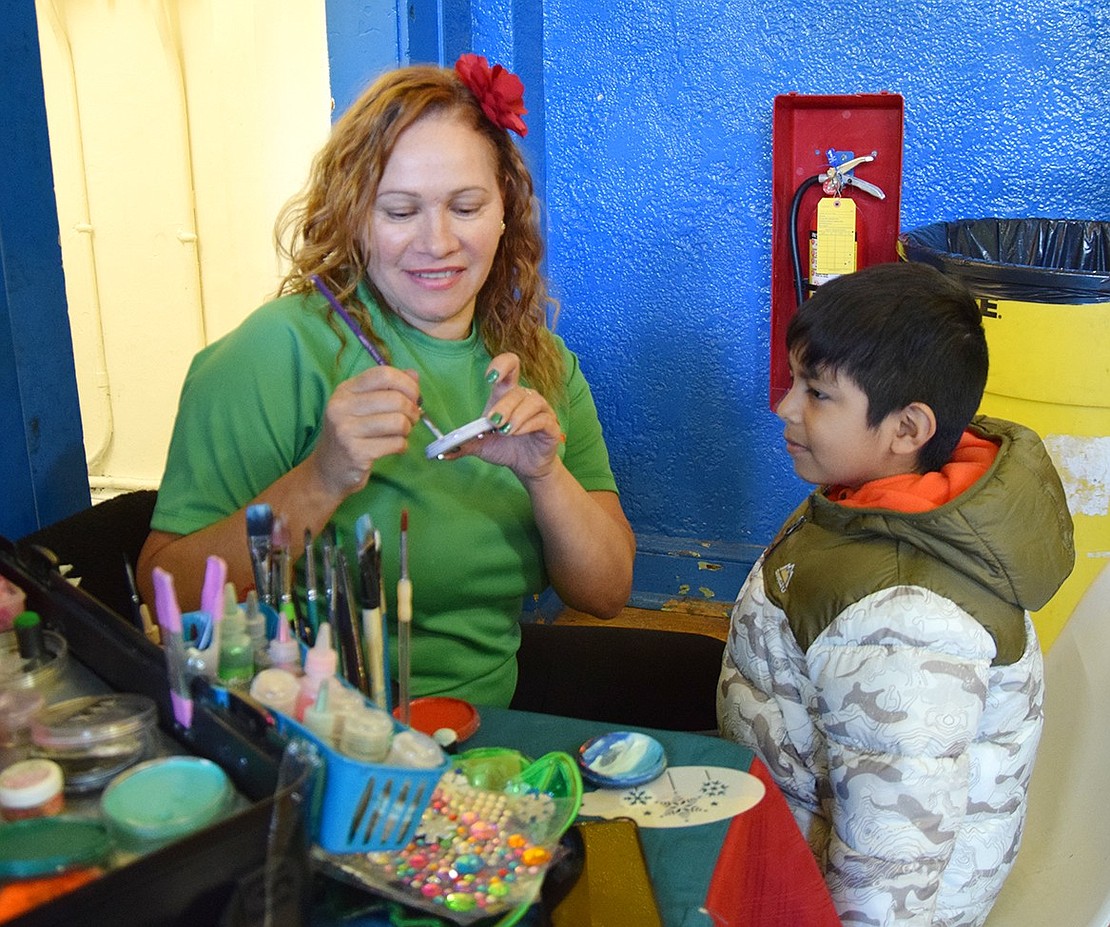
[276, 688]
[366, 735]
[95, 737]
[32, 789]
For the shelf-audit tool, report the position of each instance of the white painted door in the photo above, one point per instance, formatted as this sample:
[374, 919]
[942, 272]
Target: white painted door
[177, 131]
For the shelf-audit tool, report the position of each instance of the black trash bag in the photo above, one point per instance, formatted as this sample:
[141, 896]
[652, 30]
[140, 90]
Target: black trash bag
[1025, 260]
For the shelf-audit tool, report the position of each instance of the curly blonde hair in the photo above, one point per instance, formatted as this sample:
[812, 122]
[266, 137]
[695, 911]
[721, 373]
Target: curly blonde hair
[319, 231]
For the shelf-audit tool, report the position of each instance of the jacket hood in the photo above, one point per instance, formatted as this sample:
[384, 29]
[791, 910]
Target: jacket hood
[1011, 531]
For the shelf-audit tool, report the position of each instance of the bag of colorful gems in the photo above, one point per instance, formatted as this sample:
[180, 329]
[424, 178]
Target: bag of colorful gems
[485, 841]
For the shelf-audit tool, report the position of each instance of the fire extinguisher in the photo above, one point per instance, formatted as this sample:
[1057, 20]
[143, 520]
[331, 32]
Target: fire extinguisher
[834, 230]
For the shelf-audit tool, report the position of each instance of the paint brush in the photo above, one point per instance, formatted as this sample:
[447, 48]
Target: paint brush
[281, 583]
[367, 343]
[141, 613]
[385, 612]
[328, 544]
[260, 527]
[311, 592]
[372, 611]
[133, 594]
[348, 628]
[404, 623]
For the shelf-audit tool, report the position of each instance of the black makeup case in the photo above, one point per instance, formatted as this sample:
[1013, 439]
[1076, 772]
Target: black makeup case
[249, 868]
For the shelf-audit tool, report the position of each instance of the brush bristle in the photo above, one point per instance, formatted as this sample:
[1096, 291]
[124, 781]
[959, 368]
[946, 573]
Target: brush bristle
[280, 533]
[364, 530]
[404, 519]
[260, 519]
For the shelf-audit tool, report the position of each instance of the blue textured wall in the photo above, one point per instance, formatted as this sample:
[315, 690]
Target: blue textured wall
[655, 120]
[43, 476]
[659, 177]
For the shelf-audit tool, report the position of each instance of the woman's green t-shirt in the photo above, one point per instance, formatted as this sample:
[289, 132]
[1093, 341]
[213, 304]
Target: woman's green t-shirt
[251, 409]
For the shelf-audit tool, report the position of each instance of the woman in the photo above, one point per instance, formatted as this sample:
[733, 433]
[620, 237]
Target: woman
[419, 217]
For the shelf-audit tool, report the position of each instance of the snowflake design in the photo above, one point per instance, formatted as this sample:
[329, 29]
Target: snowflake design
[714, 788]
[637, 797]
[681, 805]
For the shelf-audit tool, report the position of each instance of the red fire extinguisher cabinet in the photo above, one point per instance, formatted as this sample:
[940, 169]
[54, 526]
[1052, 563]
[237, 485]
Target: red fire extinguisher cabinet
[806, 127]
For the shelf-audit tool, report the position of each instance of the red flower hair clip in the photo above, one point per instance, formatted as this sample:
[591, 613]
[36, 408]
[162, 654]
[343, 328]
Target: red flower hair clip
[500, 93]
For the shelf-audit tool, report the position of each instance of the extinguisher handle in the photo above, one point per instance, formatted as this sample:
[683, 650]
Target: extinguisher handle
[865, 187]
[839, 176]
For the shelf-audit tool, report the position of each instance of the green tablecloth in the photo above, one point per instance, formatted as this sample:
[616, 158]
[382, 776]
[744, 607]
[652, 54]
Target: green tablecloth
[680, 859]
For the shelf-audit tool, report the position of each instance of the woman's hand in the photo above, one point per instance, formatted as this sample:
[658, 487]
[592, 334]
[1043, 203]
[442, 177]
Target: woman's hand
[368, 417]
[528, 432]
[588, 545]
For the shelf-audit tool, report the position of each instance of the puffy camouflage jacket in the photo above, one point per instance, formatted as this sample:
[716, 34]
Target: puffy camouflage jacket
[884, 667]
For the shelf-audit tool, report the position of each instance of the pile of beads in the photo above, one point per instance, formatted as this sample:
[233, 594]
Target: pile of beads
[478, 852]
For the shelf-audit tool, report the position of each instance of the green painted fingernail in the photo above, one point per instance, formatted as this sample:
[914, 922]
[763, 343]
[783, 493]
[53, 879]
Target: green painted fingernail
[496, 418]
[492, 376]
[506, 428]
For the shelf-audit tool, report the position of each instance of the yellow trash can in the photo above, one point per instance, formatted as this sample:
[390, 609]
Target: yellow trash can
[1044, 288]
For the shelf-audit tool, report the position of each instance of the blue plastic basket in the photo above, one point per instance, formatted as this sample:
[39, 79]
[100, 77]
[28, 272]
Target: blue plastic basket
[366, 807]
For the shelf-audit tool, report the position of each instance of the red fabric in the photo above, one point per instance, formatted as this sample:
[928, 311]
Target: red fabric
[766, 875]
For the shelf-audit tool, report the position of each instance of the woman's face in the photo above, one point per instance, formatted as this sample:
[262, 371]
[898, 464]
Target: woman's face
[436, 225]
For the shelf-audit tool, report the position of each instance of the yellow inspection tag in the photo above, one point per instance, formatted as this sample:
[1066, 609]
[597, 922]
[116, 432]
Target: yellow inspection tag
[834, 252]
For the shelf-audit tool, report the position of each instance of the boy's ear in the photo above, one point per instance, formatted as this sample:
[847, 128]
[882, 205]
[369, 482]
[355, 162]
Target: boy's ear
[915, 426]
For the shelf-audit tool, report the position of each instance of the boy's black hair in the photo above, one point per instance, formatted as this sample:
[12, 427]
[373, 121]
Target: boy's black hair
[903, 333]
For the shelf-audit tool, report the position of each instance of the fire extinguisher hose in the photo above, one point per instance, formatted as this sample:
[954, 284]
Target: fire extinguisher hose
[799, 287]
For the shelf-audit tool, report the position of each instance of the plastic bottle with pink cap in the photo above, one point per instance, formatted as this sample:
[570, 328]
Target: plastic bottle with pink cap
[321, 662]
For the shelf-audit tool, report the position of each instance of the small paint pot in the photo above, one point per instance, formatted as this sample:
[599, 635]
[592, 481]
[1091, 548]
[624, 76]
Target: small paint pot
[434, 712]
[32, 789]
[164, 799]
[621, 759]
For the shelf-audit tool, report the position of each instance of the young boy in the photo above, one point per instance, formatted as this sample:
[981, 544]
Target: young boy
[881, 660]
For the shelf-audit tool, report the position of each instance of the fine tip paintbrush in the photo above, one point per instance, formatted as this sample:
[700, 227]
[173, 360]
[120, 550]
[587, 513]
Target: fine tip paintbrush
[311, 592]
[328, 545]
[366, 343]
[404, 623]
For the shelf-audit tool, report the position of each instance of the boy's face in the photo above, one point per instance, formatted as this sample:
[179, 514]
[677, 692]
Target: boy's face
[827, 434]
